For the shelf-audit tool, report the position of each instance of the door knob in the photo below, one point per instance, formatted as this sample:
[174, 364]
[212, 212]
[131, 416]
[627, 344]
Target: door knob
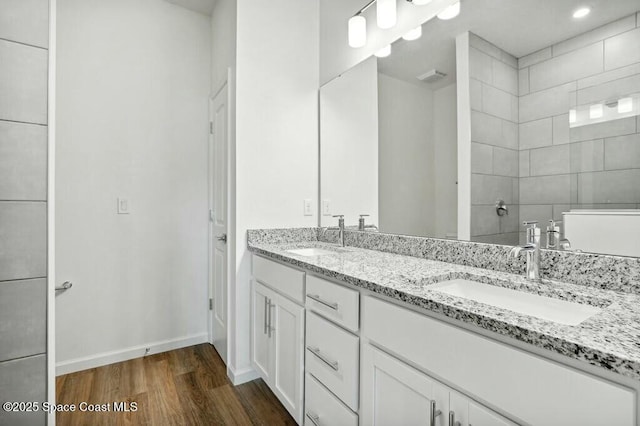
[222, 238]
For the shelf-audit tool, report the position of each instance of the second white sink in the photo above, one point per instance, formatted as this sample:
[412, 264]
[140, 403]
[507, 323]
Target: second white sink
[559, 311]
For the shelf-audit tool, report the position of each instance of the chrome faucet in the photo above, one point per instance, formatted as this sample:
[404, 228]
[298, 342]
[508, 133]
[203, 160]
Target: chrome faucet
[340, 228]
[532, 250]
[553, 235]
[361, 224]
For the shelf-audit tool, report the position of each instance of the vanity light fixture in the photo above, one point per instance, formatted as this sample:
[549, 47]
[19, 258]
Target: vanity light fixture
[357, 31]
[572, 116]
[384, 52]
[413, 34]
[450, 12]
[596, 111]
[625, 105]
[582, 12]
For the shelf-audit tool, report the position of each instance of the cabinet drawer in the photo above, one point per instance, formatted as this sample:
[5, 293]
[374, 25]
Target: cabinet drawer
[287, 281]
[333, 301]
[324, 408]
[332, 358]
[529, 387]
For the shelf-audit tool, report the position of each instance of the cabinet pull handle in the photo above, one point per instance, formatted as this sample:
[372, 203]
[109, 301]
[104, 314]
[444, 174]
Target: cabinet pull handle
[318, 299]
[265, 314]
[434, 413]
[314, 418]
[316, 351]
[452, 419]
[269, 328]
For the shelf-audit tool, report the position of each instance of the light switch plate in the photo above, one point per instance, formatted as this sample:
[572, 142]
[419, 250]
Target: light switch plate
[308, 207]
[123, 206]
[326, 207]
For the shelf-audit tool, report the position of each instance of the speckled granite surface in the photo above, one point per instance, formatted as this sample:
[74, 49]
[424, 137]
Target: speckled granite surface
[609, 339]
[589, 269]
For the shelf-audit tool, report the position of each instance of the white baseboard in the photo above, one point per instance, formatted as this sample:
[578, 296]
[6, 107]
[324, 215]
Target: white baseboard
[106, 358]
[244, 375]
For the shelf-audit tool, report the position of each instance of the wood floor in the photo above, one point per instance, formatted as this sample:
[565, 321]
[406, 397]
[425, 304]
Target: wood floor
[183, 387]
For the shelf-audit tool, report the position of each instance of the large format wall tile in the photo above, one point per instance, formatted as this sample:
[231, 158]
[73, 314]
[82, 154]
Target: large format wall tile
[23, 83]
[23, 310]
[622, 49]
[624, 126]
[505, 162]
[587, 156]
[547, 103]
[536, 134]
[609, 91]
[25, 21]
[486, 189]
[23, 161]
[622, 152]
[561, 129]
[481, 158]
[23, 240]
[562, 69]
[23, 379]
[545, 189]
[619, 186]
[598, 34]
[552, 160]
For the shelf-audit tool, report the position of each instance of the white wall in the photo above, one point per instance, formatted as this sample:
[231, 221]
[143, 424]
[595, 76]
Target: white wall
[132, 86]
[335, 54]
[446, 161]
[406, 157]
[223, 41]
[349, 144]
[276, 134]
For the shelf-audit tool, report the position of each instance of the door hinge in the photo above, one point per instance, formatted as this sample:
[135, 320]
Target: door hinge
[211, 304]
[211, 127]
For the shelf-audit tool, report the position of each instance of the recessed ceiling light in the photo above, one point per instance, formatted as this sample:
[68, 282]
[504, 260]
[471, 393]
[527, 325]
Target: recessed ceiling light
[450, 12]
[582, 12]
[384, 52]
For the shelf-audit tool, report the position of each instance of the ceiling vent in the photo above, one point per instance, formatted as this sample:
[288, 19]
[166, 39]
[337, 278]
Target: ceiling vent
[431, 76]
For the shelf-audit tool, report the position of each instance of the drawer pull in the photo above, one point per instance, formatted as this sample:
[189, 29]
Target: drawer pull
[452, 419]
[266, 312]
[318, 299]
[314, 418]
[434, 413]
[270, 327]
[316, 351]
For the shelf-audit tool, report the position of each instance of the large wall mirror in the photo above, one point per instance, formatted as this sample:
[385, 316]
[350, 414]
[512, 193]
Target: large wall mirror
[511, 111]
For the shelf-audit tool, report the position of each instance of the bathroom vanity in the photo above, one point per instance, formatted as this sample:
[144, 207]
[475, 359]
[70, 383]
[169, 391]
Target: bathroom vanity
[348, 336]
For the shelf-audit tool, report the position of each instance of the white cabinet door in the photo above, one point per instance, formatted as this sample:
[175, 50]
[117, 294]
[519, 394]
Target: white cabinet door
[288, 344]
[393, 393]
[482, 416]
[261, 352]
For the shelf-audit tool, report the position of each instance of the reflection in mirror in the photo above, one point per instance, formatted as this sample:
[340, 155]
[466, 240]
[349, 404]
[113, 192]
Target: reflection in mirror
[547, 105]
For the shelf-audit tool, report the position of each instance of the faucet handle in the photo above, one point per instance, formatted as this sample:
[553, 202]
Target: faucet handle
[365, 215]
[341, 216]
[530, 223]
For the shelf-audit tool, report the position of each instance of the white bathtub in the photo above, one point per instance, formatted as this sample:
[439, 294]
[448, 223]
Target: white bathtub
[604, 231]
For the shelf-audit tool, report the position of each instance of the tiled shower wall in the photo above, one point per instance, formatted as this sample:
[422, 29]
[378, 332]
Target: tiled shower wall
[23, 204]
[593, 166]
[494, 142]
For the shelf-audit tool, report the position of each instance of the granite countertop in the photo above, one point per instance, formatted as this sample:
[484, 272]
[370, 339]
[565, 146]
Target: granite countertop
[610, 339]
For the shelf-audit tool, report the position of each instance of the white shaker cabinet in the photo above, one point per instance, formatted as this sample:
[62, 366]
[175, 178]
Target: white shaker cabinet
[277, 334]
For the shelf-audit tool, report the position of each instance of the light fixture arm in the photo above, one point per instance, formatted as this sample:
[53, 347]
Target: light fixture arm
[364, 9]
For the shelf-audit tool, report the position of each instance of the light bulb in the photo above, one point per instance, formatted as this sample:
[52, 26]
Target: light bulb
[386, 10]
[357, 31]
[413, 34]
[625, 105]
[596, 111]
[384, 52]
[421, 2]
[581, 13]
[450, 12]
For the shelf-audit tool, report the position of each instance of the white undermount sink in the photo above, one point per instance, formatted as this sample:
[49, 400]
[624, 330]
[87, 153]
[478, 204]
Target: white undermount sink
[547, 308]
[312, 251]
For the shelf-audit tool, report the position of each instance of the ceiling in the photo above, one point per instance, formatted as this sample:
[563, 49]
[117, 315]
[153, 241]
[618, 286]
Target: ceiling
[519, 27]
[201, 6]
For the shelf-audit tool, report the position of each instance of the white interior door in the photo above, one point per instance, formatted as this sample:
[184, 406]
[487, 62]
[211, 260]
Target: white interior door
[218, 161]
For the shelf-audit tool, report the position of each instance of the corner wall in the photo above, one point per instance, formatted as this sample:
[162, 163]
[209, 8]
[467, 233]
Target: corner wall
[276, 135]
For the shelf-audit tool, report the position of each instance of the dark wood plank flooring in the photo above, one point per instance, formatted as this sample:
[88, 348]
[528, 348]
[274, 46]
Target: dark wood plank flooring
[187, 386]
